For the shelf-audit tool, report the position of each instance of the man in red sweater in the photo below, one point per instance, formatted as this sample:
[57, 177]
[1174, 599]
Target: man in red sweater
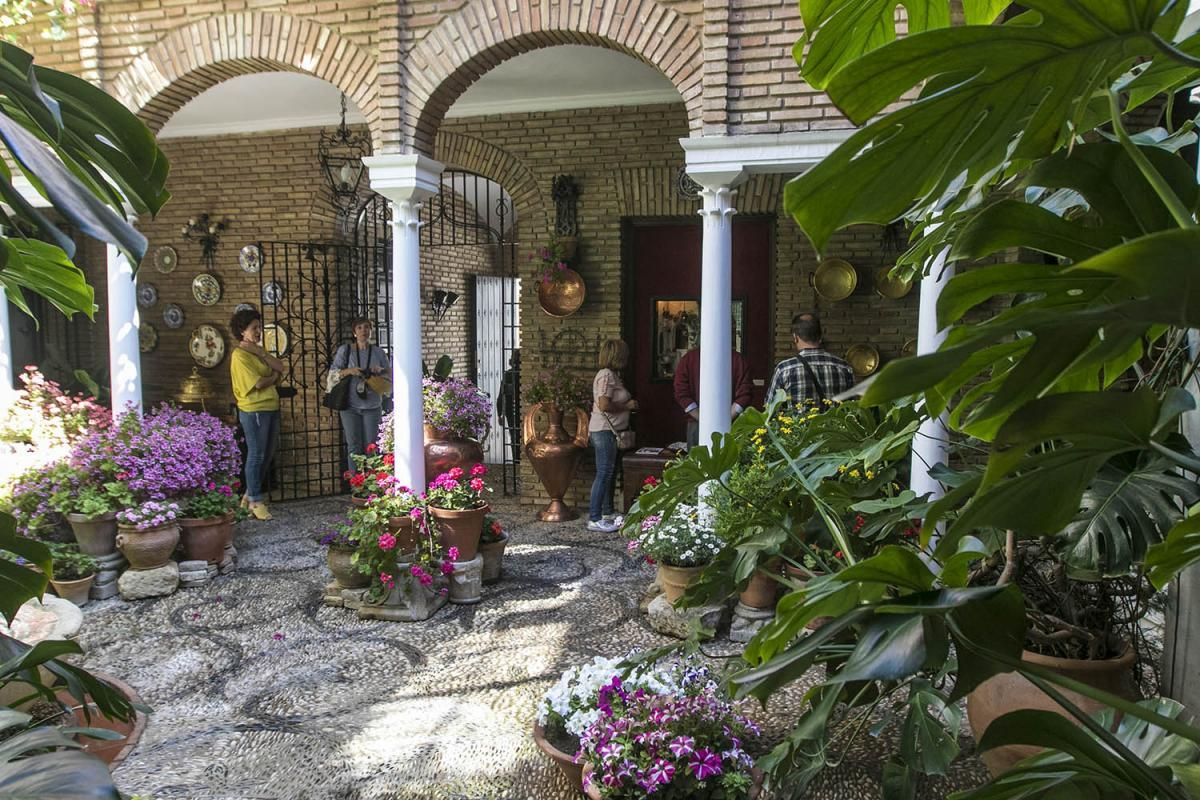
[687, 389]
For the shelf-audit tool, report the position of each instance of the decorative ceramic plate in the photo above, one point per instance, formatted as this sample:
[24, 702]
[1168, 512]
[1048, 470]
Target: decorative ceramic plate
[276, 339]
[207, 346]
[206, 289]
[909, 348]
[165, 258]
[147, 337]
[244, 307]
[147, 295]
[835, 279]
[173, 316]
[863, 358]
[890, 287]
[250, 258]
[272, 293]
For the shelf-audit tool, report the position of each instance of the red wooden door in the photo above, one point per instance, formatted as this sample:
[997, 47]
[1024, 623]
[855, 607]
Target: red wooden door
[665, 264]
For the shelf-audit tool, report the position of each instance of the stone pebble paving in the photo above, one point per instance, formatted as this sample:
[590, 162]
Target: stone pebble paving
[260, 692]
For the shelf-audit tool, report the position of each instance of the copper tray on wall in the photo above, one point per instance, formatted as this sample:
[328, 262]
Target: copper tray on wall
[864, 359]
[835, 279]
[563, 297]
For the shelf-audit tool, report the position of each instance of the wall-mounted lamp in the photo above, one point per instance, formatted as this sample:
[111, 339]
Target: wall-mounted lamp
[441, 302]
[206, 230]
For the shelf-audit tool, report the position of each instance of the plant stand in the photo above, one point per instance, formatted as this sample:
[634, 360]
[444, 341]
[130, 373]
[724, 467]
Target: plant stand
[408, 602]
[747, 621]
[109, 568]
[466, 582]
[670, 621]
[193, 574]
[139, 584]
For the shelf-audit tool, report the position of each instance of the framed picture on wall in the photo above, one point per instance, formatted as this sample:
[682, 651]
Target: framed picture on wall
[677, 330]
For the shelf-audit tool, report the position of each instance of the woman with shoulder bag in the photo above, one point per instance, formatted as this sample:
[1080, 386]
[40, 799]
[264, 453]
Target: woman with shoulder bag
[609, 430]
[363, 362]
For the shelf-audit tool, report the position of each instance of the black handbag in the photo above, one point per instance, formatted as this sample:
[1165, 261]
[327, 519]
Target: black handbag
[338, 398]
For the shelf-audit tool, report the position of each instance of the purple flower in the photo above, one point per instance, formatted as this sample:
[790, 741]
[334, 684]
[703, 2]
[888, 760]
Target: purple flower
[682, 746]
[705, 764]
[610, 751]
[661, 771]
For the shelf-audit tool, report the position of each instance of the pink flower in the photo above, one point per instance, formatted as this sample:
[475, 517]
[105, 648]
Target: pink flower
[387, 541]
[476, 484]
[496, 528]
[210, 486]
[388, 581]
[452, 553]
[455, 473]
[277, 636]
[447, 567]
[478, 470]
[450, 485]
[426, 579]
[416, 570]
[416, 512]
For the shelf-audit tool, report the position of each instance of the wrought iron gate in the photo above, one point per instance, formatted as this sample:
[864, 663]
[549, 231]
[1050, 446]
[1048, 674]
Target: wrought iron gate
[469, 210]
[308, 293]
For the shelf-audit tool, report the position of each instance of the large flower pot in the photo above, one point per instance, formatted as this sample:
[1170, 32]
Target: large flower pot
[407, 536]
[227, 523]
[675, 580]
[150, 548]
[358, 502]
[564, 761]
[444, 451]
[341, 564]
[493, 559]
[762, 590]
[203, 539]
[460, 529]
[1010, 691]
[75, 591]
[97, 536]
[592, 791]
[555, 456]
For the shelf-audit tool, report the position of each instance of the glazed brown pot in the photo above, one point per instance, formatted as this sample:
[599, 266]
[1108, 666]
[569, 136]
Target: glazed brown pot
[97, 536]
[564, 761]
[75, 591]
[1010, 691]
[763, 590]
[593, 792]
[460, 529]
[358, 502]
[444, 451]
[340, 561]
[555, 456]
[493, 559]
[405, 532]
[150, 548]
[203, 539]
[675, 580]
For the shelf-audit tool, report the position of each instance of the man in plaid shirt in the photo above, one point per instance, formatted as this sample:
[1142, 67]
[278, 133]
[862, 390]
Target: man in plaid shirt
[812, 375]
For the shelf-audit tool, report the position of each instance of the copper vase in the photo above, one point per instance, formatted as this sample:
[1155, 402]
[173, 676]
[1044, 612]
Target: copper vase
[555, 456]
[444, 451]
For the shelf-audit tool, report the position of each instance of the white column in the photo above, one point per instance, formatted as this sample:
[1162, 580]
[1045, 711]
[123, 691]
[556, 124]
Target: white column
[124, 354]
[931, 445]
[406, 181]
[6, 357]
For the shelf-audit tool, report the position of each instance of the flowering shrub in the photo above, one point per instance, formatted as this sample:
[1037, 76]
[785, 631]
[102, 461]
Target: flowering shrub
[493, 531]
[378, 550]
[560, 388]
[678, 541]
[374, 474]
[670, 746]
[217, 500]
[150, 514]
[551, 263]
[45, 417]
[456, 406]
[456, 491]
[68, 564]
[340, 538]
[31, 501]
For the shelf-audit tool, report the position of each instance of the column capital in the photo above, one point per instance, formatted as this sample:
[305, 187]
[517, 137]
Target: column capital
[404, 177]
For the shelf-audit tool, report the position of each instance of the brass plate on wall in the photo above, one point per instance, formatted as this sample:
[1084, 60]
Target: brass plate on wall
[863, 359]
[835, 279]
[890, 287]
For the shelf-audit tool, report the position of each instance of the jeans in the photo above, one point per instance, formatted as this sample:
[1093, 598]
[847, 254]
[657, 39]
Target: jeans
[605, 444]
[260, 428]
[361, 426]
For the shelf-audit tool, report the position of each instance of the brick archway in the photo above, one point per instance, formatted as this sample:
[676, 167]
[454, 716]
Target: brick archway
[476, 155]
[197, 56]
[484, 33]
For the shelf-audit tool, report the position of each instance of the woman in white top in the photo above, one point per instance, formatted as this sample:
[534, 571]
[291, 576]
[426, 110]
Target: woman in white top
[610, 414]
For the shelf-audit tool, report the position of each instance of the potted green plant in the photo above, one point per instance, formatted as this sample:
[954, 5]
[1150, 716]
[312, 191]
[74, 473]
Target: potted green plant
[92, 512]
[206, 526]
[396, 545]
[492, 542]
[340, 547]
[72, 573]
[457, 416]
[457, 505]
[372, 476]
[148, 533]
[678, 544]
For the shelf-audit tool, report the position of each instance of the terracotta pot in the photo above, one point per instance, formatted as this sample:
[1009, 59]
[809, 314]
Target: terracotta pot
[344, 572]
[563, 297]
[227, 523]
[75, 591]
[593, 792]
[203, 539]
[675, 580]
[444, 451]
[493, 559]
[358, 502]
[149, 548]
[1010, 691]
[405, 532]
[460, 529]
[555, 456]
[763, 589]
[110, 751]
[97, 536]
[564, 761]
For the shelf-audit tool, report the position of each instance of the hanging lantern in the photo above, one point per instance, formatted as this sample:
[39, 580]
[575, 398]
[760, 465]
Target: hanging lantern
[341, 155]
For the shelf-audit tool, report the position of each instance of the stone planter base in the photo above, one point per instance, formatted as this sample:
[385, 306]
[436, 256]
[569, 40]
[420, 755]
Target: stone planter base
[747, 621]
[138, 584]
[193, 574]
[466, 582]
[109, 569]
[408, 602]
[670, 621]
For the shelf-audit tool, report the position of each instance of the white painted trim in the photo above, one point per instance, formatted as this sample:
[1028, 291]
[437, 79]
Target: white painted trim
[482, 108]
[26, 190]
[408, 176]
[174, 131]
[709, 157]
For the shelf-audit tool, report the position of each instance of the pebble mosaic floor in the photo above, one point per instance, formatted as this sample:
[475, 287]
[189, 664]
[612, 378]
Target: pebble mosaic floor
[260, 692]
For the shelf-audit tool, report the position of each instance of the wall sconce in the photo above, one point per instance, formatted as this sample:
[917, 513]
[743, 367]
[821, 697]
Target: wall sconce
[441, 303]
[565, 192]
[206, 230]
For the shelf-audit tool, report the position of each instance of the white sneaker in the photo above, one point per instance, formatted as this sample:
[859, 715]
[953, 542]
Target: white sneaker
[616, 519]
[602, 526]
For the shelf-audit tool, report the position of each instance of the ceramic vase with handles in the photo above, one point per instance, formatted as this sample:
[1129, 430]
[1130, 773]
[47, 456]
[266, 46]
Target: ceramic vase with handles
[555, 456]
[149, 548]
[445, 450]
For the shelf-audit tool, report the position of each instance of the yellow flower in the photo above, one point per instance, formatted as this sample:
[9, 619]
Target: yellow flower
[854, 473]
[785, 420]
[842, 468]
[870, 475]
[760, 432]
[761, 449]
[787, 430]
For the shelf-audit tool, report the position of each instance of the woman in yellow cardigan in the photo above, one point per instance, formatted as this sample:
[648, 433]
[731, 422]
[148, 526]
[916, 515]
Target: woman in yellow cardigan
[254, 373]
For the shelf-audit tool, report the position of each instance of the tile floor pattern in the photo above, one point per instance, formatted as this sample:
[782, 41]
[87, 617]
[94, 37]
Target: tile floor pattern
[260, 691]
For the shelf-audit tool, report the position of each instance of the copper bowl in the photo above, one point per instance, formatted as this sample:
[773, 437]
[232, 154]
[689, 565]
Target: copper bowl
[563, 297]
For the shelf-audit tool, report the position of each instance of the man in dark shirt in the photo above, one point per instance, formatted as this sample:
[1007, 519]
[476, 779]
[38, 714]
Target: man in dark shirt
[508, 404]
[813, 374]
[687, 389]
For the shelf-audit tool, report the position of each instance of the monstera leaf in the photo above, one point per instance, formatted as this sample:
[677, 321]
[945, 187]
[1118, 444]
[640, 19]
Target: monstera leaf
[45, 762]
[1125, 511]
